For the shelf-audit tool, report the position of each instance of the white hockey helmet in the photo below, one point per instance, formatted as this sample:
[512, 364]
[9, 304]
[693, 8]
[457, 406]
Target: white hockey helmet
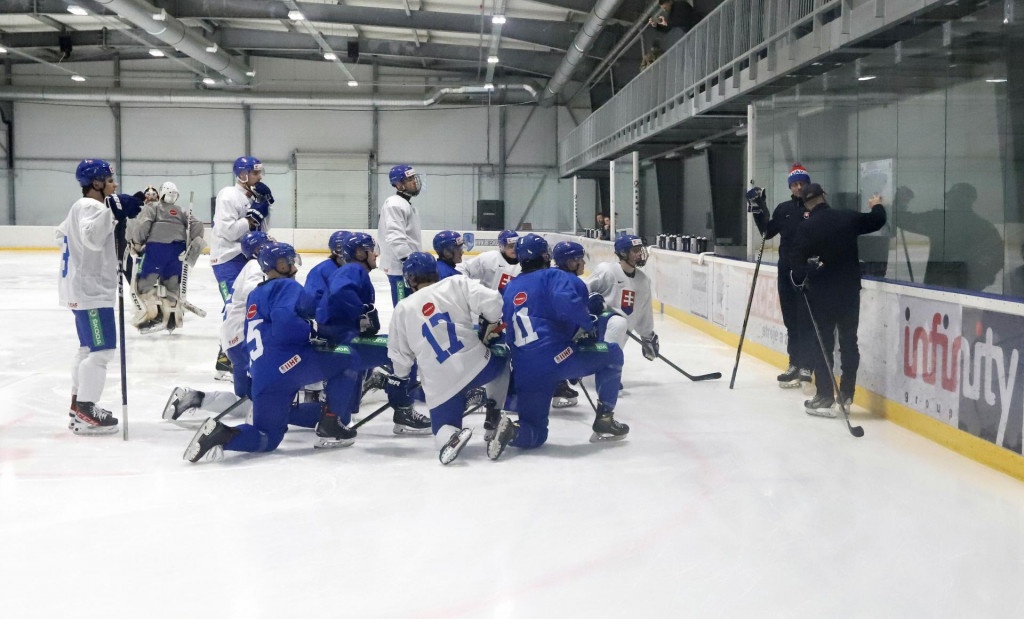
[169, 192]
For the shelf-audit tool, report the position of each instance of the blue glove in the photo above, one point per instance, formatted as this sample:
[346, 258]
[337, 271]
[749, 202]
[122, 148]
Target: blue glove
[369, 322]
[124, 206]
[262, 193]
[258, 212]
[595, 303]
[399, 390]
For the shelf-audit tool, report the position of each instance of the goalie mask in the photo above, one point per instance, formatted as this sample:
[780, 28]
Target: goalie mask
[169, 192]
[151, 195]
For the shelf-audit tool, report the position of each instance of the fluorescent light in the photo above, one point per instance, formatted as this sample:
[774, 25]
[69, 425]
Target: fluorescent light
[78, 78]
[498, 19]
[3, 50]
[353, 83]
[161, 16]
[488, 86]
[701, 145]
[77, 10]
[251, 73]
[156, 53]
[212, 48]
[996, 80]
[330, 56]
[492, 60]
[866, 78]
[296, 15]
[209, 81]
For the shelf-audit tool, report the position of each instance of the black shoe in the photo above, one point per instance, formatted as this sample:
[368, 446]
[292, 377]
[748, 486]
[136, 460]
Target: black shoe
[804, 376]
[332, 433]
[605, 427]
[92, 420]
[209, 441]
[821, 406]
[408, 421]
[505, 433]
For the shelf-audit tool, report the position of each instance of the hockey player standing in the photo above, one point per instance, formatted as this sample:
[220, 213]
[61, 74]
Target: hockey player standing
[282, 359]
[448, 244]
[434, 329]
[626, 291]
[399, 229]
[240, 207]
[495, 269]
[785, 222]
[87, 285]
[546, 311]
[167, 233]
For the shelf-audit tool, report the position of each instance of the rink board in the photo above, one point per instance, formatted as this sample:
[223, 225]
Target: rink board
[944, 364]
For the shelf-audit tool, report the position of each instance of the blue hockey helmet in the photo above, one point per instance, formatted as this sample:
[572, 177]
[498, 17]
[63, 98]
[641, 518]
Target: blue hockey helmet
[253, 242]
[627, 242]
[565, 251]
[419, 266]
[337, 241]
[244, 165]
[446, 240]
[404, 172]
[272, 254]
[90, 170]
[532, 247]
[507, 237]
[358, 240]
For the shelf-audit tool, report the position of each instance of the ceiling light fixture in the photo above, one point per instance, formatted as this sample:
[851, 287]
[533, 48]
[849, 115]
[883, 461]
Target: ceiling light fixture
[209, 81]
[996, 80]
[161, 16]
[866, 78]
[78, 78]
[3, 50]
[212, 48]
[250, 73]
[296, 15]
[77, 10]
[488, 86]
[330, 56]
[353, 83]
[497, 19]
[156, 53]
[492, 60]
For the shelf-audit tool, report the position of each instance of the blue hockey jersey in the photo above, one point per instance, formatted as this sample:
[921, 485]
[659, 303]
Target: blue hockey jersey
[348, 291]
[277, 337]
[445, 270]
[544, 309]
[317, 281]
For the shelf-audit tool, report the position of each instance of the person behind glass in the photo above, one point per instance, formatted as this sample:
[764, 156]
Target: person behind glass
[398, 231]
[784, 223]
[826, 268]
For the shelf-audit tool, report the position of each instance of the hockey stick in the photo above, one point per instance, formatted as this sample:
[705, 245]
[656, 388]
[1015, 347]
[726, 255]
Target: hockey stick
[380, 410]
[694, 378]
[124, 369]
[856, 431]
[746, 315]
[185, 267]
[230, 408]
[587, 393]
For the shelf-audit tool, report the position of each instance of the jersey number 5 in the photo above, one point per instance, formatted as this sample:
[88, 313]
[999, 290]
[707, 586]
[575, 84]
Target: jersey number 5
[524, 328]
[253, 337]
[454, 345]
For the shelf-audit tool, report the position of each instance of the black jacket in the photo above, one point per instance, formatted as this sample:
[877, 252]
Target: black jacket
[787, 217]
[832, 235]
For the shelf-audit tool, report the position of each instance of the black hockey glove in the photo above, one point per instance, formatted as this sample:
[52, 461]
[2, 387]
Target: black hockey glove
[586, 336]
[123, 205]
[651, 347]
[756, 202]
[262, 193]
[490, 332]
[369, 322]
[595, 303]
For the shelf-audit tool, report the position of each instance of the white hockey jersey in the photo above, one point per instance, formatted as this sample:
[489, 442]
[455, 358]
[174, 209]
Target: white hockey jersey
[491, 269]
[232, 330]
[87, 278]
[433, 327]
[230, 224]
[398, 234]
[624, 295]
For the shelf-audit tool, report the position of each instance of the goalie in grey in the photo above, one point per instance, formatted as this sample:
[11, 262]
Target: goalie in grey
[167, 237]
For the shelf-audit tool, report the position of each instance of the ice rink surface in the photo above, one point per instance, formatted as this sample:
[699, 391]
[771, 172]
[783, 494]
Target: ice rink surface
[719, 504]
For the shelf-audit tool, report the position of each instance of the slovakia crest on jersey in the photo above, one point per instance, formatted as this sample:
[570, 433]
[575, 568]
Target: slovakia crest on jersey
[519, 299]
[505, 279]
[468, 241]
[251, 312]
[628, 301]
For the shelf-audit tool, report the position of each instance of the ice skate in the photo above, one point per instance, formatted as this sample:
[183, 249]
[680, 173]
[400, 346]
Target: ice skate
[492, 415]
[564, 396]
[451, 449]
[182, 402]
[605, 427]
[72, 411]
[505, 433]
[790, 379]
[91, 420]
[475, 398]
[209, 441]
[223, 368]
[820, 406]
[374, 380]
[408, 421]
[331, 432]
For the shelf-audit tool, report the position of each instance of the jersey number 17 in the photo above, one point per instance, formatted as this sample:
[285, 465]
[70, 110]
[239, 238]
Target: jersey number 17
[454, 345]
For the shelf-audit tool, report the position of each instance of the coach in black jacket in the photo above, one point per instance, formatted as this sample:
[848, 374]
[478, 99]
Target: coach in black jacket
[831, 281]
[784, 222]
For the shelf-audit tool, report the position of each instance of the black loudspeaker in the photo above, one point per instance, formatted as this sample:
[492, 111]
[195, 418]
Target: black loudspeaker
[353, 50]
[490, 214]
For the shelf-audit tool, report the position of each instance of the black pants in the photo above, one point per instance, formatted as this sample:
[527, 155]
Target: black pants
[794, 316]
[835, 314]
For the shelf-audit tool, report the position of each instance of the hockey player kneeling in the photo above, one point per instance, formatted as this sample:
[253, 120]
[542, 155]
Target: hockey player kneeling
[434, 329]
[553, 338]
[170, 237]
[282, 360]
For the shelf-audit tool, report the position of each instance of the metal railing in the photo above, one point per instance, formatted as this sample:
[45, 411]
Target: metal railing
[704, 67]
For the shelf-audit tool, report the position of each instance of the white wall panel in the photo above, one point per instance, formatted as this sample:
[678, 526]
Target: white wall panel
[182, 134]
[277, 133]
[43, 130]
[436, 136]
[536, 145]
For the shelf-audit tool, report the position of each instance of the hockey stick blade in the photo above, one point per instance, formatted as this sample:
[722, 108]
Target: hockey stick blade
[198, 311]
[694, 377]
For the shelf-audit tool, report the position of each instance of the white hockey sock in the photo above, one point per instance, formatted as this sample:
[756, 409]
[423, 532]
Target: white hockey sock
[80, 356]
[92, 374]
[497, 389]
[220, 401]
[444, 433]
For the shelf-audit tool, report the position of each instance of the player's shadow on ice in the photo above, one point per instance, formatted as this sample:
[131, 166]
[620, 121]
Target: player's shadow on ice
[578, 450]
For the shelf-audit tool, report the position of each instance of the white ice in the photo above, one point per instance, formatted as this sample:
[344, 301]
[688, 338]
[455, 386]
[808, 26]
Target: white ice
[720, 503]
